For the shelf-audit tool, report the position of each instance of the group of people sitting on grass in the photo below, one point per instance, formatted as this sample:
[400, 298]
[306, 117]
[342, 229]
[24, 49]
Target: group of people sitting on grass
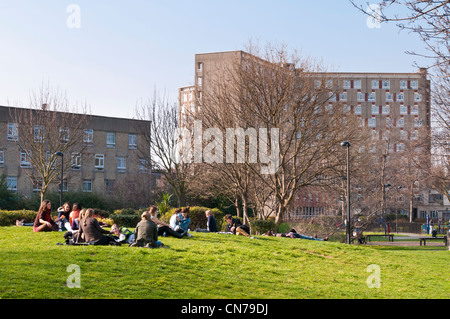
[81, 227]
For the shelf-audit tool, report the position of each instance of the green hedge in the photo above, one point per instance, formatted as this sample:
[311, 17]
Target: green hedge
[197, 216]
[8, 218]
[262, 226]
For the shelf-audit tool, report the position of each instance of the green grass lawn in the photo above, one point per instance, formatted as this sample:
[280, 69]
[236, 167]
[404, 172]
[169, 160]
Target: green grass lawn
[216, 266]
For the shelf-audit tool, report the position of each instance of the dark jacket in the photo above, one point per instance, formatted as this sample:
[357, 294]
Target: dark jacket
[146, 234]
[92, 230]
[211, 223]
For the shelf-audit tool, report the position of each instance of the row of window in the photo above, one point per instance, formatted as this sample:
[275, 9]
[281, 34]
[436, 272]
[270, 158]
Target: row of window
[99, 161]
[371, 97]
[375, 84]
[400, 122]
[386, 109]
[88, 137]
[11, 183]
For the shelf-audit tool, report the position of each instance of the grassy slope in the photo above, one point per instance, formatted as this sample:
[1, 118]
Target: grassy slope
[217, 266]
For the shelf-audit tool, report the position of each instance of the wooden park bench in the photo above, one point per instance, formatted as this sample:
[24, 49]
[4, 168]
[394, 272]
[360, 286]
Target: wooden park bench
[424, 240]
[390, 236]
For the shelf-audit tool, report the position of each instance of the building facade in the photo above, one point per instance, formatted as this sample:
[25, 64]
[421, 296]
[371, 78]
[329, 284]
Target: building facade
[393, 106]
[114, 153]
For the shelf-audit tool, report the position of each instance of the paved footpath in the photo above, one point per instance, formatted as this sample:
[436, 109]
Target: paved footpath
[406, 239]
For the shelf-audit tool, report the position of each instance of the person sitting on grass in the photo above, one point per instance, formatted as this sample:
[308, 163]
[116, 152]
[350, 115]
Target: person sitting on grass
[185, 221]
[63, 217]
[74, 219]
[180, 221]
[90, 228]
[164, 229]
[122, 234]
[44, 221]
[235, 226]
[211, 225]
[146, 234]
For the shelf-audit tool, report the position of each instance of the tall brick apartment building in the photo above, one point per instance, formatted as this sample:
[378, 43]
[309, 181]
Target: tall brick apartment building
[386, 103]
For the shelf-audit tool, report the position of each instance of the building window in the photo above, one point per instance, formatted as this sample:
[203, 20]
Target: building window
[403, 134]
[401, 122]
[343, 96]
[75, 161]
[121, 163]
[111, 139]
[417, 97]
[65, 186]
[12, 132]
[375, 84]
[358, 110]
[361, 97]
[64, 132]
[371, 97]
[403, 85]
[388, 122]
[386, 109]
[400, 97]
[403, 109]
[414, 135]
[414, 110]
[87, 186]
[357, 84]
[144, 165]
[2, 157]
[37, 184]
[414, 85]
[331, 97]
[11, 183]
[400, 147]
[132, 141]
[346, 108]
[385, 84]
[389, 97]
[99, 161]
[371, 122]
[88, 136]
[347, 84]
[375, 109]
[25, 161]
[418, 122]
[38, 134]
[109, 186]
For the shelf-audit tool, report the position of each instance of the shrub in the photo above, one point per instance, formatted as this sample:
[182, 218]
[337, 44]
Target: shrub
[127, 217]
[260, 226]
[127, 220]
[8, 218]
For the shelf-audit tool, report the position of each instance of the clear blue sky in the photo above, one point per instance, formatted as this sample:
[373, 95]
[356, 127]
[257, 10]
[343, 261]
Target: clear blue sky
[124, 50]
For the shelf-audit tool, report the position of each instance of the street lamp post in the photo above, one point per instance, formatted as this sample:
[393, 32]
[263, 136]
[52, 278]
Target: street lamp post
[62, 178]
[348, 234]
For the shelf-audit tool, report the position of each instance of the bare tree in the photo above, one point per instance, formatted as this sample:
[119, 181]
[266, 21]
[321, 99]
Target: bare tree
[161, 136]
[289, 101]
[48, 126]
[429, 19]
